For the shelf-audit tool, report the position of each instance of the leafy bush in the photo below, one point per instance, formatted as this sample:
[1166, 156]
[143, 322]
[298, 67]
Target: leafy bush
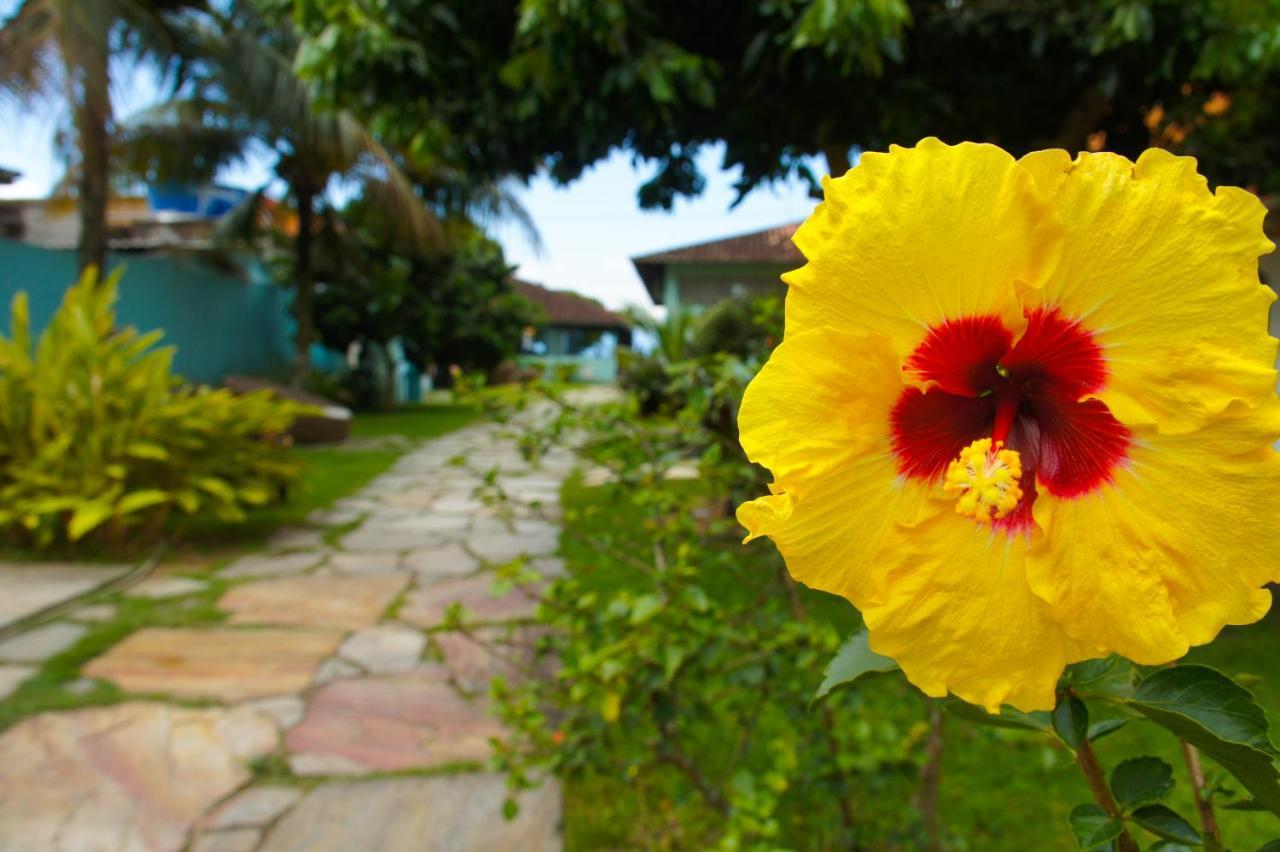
[100, 441]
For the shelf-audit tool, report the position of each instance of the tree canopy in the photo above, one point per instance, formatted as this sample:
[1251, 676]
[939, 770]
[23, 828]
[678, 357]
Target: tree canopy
[507, 87]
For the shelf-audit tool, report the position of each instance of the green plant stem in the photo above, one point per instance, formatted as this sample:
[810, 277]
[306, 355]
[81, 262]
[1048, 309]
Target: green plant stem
[1208, 819]
[1096, 778]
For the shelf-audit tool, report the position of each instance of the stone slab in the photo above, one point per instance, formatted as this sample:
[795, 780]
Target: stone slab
[343, 602]
[285, 710]
[252, 808]
[426, 605]
[384, 649]
[453, 813]
[232, 665]
[31, 587]
[363, 563]
[391, 722]
[166, 587]
[235, 840]
[41, 643]
[435, 563]
[95, 612]
[11, 677]
[271, 565]
[132, 776]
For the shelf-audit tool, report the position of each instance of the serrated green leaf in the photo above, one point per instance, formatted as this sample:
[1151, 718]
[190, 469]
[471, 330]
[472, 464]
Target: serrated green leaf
[1218, 716]
[1007, 718]
[1141, 781]
[1098, 730]
[1092, 827]
[854, 660]
[1071, 720]
[1166, 824]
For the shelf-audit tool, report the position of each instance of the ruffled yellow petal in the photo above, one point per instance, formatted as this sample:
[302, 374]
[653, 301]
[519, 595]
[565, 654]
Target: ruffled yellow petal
[920, 235]
[1165, 274]
[1177, 547]
[817, 416]
[958, 615]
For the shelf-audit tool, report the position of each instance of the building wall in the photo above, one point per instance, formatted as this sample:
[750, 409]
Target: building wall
[219, 323]
[702, 285]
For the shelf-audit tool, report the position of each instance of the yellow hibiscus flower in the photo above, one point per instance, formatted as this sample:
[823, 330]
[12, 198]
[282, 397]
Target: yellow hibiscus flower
[1023, 413]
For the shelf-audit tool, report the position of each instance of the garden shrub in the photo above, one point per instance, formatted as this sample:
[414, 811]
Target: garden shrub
[101, 442]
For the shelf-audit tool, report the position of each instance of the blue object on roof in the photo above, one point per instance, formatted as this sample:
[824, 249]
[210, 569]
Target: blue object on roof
[210, 202]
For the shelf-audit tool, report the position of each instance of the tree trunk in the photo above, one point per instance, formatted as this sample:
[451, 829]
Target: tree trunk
[303, 285]
[92, 108]
[837, 159]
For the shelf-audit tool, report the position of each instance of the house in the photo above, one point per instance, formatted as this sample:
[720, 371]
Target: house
[703, 274]
[580, 333]
[222, 319]
[8, 176]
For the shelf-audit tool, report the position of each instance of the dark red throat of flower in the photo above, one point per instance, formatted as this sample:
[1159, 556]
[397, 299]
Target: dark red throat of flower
[1024, 394]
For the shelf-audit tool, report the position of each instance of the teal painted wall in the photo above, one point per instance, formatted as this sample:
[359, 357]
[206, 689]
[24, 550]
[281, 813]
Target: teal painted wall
[219, 323]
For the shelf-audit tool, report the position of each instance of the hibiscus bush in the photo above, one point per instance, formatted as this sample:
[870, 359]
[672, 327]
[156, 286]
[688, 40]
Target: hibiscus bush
[1028, 436]
[101, 444]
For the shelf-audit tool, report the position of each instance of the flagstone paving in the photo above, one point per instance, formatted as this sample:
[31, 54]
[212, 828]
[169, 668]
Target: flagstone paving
[332, 665]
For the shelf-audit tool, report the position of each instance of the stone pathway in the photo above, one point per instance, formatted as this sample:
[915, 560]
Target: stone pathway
[339, 662]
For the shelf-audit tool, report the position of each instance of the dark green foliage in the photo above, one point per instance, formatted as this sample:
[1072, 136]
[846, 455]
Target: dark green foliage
[778, 81]
[446, 305]
[1141, 781]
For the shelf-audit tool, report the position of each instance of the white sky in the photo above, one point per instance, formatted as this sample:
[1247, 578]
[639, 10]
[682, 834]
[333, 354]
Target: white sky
[589, 229]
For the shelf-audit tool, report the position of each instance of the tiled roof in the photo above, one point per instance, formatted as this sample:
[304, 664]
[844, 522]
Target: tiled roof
[770, 246]
[564, 307]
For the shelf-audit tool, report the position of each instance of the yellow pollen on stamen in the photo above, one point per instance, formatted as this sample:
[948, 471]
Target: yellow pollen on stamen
[984, 482]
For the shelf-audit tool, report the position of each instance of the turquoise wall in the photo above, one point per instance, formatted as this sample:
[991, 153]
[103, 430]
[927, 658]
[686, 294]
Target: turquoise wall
[220, 323]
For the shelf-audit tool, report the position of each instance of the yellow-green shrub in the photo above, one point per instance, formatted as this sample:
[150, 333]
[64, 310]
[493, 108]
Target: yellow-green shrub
[100, 441]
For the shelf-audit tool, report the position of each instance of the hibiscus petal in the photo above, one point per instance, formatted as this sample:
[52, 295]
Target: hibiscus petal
[958, 615]
[1177, 547]
[917, 236]
[817, 416]
[1165, 274]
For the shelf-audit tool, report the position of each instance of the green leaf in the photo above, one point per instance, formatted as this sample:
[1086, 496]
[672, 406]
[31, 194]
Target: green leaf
[510, 809]
[1141, 781]
[1098, 730]
[137, 500]
[644, 608]
[1170, 846]
[1092, 827]
[1071, 721]
[1243, 805]
[1007, 717]
[86, 518]
[1270, 846]
[1091, 670]
[1165, 824]
[854, 660]
[1218, 716]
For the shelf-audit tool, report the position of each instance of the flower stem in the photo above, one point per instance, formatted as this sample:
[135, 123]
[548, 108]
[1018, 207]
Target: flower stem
[1094, 775]
[1208, 820]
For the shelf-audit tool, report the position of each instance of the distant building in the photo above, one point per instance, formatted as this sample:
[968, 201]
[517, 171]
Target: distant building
[166, 218]
[703, 274]
[8, 176]
[580, 333]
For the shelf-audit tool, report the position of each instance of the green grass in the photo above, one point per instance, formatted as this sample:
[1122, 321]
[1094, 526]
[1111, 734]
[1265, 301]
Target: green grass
[415, 421]
[1001, 790]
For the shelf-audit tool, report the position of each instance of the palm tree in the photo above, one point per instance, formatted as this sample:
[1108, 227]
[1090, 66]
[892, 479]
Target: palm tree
[243, 93]
[63, 47]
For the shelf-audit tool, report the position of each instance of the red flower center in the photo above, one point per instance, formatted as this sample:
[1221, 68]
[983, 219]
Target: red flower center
[1025, 394]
